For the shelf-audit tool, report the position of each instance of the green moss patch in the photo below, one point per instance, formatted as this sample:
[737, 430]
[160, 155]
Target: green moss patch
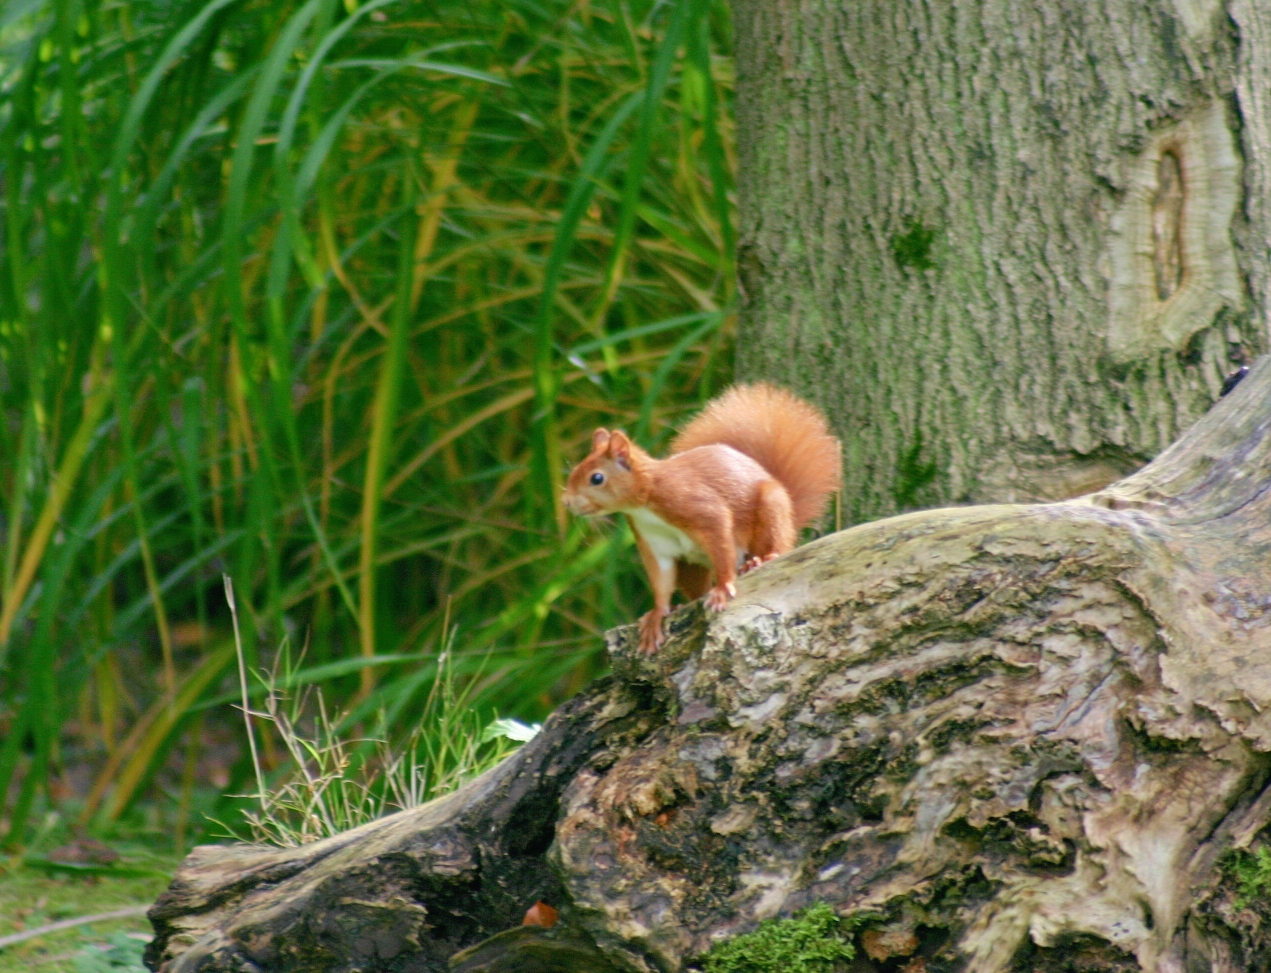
[813, 940]
[913, 248]
[1252, 872]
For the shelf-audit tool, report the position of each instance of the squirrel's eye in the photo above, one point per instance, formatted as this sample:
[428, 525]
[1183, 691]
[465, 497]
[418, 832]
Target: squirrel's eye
[597, 479]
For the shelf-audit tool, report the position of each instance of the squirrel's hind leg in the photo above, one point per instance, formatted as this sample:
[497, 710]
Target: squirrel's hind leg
[717, 540]
[772, 532]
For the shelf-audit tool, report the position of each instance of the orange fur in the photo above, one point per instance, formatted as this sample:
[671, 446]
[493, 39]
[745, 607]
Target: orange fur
[785, 435]
[742, 478]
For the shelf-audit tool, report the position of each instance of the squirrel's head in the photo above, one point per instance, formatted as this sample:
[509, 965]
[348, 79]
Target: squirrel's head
[604, 481]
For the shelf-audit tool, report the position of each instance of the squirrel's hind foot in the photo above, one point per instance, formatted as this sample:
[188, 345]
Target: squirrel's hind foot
[757, 562]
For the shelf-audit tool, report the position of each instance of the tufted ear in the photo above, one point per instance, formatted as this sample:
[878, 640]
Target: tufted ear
[620, 448]
[599, 439]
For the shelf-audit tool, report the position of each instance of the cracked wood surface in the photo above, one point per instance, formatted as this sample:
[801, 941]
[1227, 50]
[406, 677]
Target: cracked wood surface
[1015, 734]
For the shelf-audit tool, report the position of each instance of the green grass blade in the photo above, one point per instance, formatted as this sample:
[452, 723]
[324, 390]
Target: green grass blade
[545, 439]
[383, 415]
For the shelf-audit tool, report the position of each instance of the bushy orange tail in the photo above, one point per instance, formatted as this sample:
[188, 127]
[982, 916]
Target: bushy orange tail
[785, 435]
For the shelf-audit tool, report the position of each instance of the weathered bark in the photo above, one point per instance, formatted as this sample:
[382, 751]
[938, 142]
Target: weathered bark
[1022, 736]
[1012, 248]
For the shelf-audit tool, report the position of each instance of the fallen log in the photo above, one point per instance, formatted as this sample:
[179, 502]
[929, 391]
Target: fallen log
[1019, 738]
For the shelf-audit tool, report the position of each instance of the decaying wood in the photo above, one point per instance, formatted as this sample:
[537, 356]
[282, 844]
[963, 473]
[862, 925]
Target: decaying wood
[1021, 736]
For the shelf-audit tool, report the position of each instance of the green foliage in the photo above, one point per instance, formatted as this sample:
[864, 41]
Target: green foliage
[332, 784]
[36, 892]
[122, 954]
[324, 294]
[1252, 872]
[813, 940]
[913, 247]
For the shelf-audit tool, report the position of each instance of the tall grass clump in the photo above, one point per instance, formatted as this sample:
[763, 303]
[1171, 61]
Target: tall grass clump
[323, 294]
[332, 783]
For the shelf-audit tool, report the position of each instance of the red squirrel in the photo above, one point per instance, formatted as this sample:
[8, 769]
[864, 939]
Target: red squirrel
[754, 467]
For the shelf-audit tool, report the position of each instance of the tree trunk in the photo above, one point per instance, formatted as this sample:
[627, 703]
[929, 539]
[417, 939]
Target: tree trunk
[1020, 737]
[1013, 248]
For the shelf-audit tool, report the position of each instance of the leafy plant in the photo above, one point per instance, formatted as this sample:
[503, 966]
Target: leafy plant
[813, 940]
[323, 294]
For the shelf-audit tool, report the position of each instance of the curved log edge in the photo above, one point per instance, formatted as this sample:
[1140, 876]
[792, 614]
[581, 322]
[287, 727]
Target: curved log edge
[1019, 734]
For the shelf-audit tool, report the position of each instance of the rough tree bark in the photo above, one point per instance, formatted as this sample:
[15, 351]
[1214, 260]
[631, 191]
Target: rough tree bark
[1022, 736]
[1012, 248]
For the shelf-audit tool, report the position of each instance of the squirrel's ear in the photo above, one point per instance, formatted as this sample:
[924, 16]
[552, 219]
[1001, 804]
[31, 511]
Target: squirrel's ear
[620, 448]
[600, 439]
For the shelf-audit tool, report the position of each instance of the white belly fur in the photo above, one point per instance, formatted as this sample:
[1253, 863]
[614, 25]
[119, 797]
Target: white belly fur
[667, 542]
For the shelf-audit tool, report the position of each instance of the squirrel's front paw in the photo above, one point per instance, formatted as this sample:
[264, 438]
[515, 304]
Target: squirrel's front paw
[720, 595]
[651, 631]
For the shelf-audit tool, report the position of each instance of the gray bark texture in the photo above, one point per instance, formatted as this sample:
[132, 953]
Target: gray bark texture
[1018, 738]
[1012, 248]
